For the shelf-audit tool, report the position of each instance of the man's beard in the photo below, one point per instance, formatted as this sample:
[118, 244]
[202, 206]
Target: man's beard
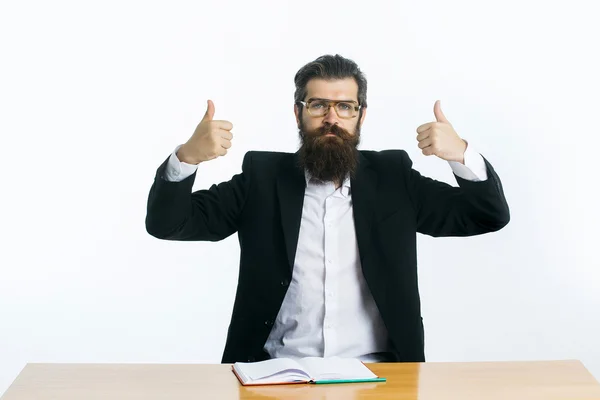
[329, 158]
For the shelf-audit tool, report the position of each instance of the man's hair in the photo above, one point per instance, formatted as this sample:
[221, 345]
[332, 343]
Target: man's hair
[330, 67]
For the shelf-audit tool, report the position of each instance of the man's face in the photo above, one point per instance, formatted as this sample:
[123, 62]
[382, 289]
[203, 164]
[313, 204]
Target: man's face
[329, 142]
[339, 89]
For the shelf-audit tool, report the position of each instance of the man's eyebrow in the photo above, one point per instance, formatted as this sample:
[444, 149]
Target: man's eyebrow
[320, 98]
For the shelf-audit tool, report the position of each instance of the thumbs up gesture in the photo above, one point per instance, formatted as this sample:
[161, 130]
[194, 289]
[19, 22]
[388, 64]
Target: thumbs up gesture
[210, 140]
[440, 139]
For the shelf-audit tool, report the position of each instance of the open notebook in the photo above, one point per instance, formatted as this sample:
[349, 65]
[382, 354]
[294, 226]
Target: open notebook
[280, 371]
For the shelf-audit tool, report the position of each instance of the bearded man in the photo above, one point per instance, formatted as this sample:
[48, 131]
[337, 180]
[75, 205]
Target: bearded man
[328, 263]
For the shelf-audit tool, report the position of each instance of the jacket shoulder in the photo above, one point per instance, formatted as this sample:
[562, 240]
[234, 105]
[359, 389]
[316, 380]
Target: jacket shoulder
[386, 159]
[267, 156]
[265, 160]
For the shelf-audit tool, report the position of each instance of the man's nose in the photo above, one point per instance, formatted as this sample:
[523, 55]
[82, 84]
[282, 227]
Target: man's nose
[331, 116]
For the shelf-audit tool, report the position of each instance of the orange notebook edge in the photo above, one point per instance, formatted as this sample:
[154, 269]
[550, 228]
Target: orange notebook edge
[376, 376]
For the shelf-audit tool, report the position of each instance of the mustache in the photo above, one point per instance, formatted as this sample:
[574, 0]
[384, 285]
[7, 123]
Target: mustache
[333, 129]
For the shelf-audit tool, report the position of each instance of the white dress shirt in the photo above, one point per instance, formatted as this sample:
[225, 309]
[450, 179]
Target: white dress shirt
[328, 309]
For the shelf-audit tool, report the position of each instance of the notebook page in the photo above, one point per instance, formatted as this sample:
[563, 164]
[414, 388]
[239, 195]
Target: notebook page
[263, 369]
[336, 368]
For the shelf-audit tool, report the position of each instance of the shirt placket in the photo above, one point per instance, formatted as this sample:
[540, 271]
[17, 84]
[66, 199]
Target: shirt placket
[331, 263]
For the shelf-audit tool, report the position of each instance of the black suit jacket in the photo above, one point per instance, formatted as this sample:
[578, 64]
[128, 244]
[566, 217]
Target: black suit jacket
[263, 204]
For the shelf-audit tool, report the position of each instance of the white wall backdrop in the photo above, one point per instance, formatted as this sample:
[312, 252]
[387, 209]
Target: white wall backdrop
[95, 95]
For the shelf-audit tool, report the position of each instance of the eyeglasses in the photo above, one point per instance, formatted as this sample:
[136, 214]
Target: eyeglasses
[320, 107]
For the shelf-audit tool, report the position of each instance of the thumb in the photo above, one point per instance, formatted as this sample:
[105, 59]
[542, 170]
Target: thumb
[439, 115]
[210, 111]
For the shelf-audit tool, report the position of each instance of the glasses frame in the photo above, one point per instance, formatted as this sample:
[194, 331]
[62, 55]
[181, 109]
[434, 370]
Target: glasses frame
[330, 103]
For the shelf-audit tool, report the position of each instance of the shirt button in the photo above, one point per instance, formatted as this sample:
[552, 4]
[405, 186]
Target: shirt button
[251, 359]
[284, 282]
[269, 323]
[329, 261]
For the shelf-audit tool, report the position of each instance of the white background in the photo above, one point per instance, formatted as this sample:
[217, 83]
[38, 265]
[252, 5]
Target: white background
[95, 95]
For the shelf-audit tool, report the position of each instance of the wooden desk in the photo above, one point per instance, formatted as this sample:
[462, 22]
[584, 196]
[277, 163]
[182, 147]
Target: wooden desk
[546, 380]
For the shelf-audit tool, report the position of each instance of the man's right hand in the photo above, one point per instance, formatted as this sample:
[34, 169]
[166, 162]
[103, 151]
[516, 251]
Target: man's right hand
[210, 140]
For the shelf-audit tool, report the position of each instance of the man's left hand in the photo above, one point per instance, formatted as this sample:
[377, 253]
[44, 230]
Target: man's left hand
[440, 139]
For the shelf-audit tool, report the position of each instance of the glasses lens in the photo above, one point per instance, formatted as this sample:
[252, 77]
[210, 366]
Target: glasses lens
[345, 110]
[317, 108]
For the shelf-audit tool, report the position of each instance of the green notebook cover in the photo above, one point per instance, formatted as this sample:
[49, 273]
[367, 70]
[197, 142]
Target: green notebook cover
[349, 380]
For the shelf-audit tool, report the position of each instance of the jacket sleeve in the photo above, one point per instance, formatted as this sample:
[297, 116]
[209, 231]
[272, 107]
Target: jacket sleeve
[473, 208]
[175, 213]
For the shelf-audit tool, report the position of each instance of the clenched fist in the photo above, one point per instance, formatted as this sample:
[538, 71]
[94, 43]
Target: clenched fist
[440, 139]
[210, 140]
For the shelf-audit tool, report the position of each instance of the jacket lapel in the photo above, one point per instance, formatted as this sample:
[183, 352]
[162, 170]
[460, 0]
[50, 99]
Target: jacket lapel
[363, 189]
[291, 184]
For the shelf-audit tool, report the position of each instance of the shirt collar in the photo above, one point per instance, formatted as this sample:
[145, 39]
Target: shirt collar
[344, 189]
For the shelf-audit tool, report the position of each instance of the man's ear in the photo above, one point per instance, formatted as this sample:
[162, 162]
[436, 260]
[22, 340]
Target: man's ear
[363, 116]
[296, 112]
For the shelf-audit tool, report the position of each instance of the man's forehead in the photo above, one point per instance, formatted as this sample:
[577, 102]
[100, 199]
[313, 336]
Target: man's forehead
[335, 89]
